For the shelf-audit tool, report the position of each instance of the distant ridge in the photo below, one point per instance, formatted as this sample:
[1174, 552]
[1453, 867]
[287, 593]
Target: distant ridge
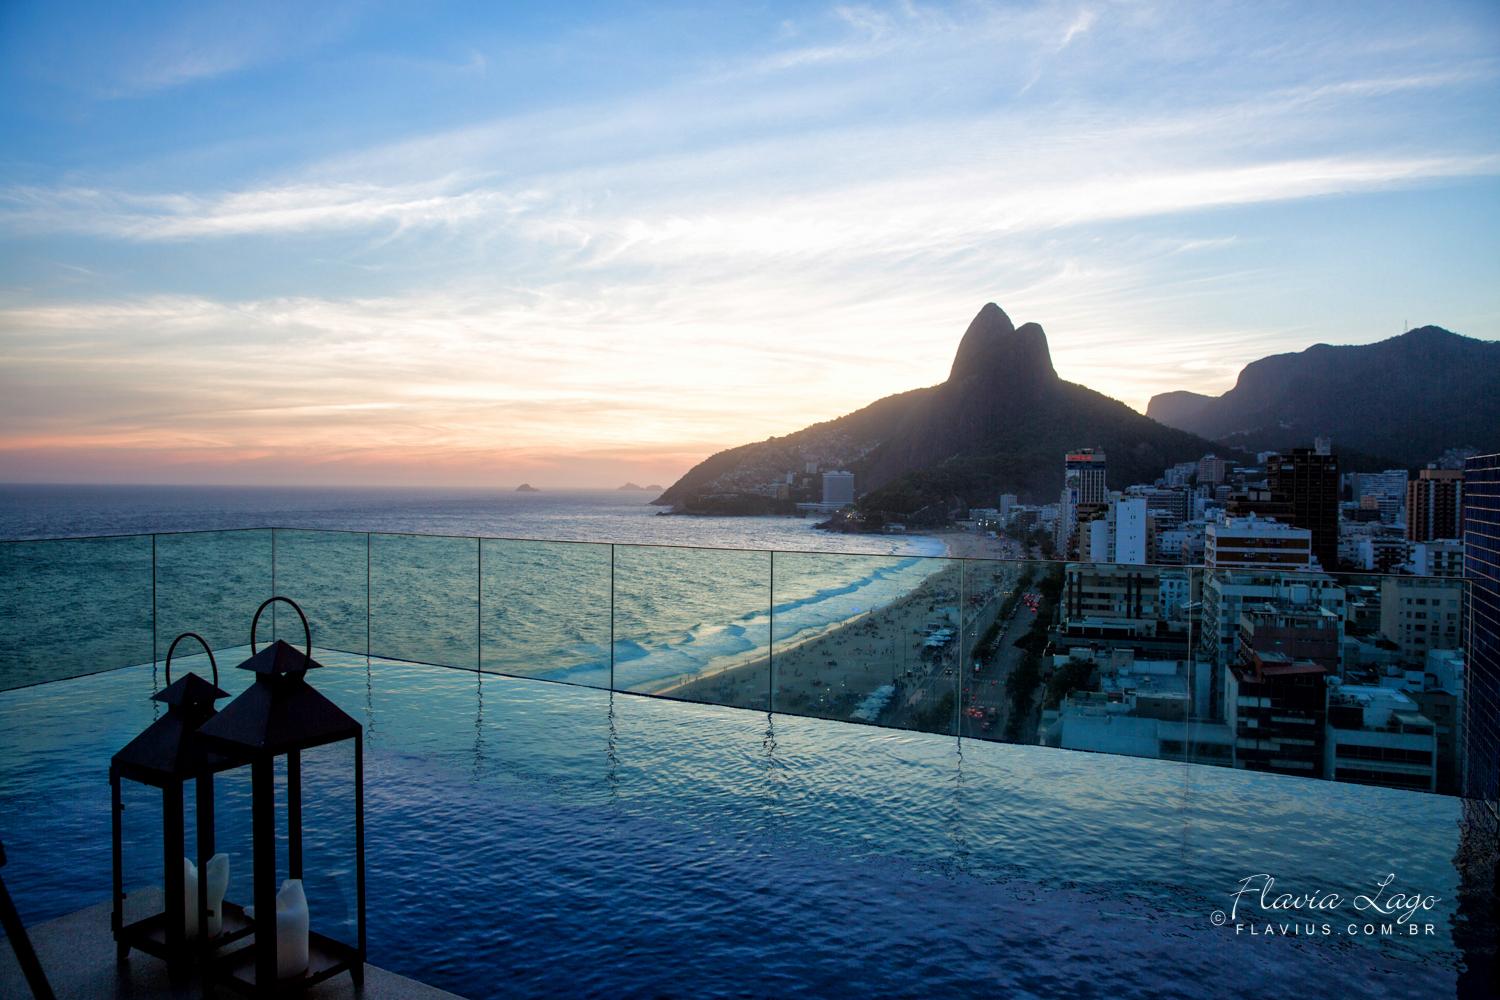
[1001, 422]
[527, 488]
[1405, 399]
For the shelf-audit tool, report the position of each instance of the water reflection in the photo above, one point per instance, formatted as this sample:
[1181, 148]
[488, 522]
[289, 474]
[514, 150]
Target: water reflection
[958, 812]
[480, 756]
[369, 699]
[775, 775]
[932, 837]
[612, 754]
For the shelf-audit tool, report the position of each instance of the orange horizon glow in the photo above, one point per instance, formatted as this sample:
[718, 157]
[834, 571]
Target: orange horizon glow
[704, 231]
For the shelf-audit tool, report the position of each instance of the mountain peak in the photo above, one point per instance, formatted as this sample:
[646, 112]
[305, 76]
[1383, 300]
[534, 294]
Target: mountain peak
[1000, 422]
[993, 342]
[1431, 333]
[1358, 395]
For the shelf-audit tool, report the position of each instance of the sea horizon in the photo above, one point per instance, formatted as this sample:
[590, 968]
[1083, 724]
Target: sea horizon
[36, 511]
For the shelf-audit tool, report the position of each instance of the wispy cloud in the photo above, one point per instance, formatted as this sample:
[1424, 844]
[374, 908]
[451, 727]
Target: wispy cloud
[1078, 26]
[211, 39]
[297, 208]
[689, 258]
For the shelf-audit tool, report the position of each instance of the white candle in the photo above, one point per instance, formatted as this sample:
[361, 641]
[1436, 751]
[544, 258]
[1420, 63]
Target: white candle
[291, 929]
[218, 884]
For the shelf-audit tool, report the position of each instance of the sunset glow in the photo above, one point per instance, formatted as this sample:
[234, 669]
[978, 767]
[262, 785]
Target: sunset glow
[576, 249]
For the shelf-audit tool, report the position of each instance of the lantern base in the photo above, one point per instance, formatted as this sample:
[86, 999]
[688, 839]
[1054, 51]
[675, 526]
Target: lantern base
[326, 958]
[149, 935]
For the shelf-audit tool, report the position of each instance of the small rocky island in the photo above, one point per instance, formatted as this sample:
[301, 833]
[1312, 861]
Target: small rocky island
[527, 488]
[637, 488]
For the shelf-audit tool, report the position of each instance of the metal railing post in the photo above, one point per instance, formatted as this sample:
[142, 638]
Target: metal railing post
[612, 616]
[771, 640]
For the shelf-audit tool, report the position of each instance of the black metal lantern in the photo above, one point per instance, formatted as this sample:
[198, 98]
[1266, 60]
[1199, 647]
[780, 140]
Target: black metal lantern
[167, 755]
[281, 715]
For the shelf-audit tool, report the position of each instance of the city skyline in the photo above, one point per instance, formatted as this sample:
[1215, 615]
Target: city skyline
[360, 246]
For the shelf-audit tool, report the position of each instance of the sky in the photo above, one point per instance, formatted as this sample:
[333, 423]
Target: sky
[579, 244]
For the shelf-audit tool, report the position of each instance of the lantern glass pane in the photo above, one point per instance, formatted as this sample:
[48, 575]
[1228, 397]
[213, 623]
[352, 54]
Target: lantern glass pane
[141, 849]
[328, 856]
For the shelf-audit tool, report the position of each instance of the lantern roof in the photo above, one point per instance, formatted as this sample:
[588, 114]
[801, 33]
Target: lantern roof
[280, 657]
[189, 691]
[280, 711]
[169, 749]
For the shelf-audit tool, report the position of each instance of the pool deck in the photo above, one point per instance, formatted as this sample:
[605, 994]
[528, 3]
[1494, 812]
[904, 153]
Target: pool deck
[77, 953]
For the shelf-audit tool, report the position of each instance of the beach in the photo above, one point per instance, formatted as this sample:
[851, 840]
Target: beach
[897, 646]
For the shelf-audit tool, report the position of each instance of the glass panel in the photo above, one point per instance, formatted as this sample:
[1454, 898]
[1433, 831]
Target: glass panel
[328, 841]
[424, 599]
[325, 572]
[1395, 685]
[870, 639]
[1117, 677]
[999, 683]
[211, 582]
[1207, 740]
[141, 845]
[546, 610]
[73, 606]
[1351, 677]
[693, 624]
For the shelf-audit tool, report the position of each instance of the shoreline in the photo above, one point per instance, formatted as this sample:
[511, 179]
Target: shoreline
[831, 672]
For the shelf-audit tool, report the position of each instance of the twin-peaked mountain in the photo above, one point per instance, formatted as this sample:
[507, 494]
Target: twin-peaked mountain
[1000, 423]
[1406, 399]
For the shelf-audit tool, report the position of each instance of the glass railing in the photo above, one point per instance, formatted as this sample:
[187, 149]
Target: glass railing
[1345, 676]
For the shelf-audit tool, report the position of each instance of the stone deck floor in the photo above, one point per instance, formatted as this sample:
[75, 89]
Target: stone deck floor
[77, 953]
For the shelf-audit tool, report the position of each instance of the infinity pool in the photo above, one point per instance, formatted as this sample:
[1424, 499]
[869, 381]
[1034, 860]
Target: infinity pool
[536, 839]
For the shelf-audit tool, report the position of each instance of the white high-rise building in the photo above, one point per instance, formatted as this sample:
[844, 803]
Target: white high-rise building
[1256, 543]
[1117, 537]
[838, 488]
[1128, 525]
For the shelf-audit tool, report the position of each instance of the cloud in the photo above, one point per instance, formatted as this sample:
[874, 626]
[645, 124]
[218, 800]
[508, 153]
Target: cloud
[208, 40]
[691, 261]
[1079, 25]
[933, 214]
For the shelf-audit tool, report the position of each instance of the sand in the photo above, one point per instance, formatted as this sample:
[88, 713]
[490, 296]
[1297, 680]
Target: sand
[829, 674]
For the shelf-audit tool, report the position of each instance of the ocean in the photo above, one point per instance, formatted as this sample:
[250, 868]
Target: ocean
[46, 511]
[676, 598]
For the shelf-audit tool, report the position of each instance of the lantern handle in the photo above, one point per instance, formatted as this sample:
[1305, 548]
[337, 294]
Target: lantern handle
[202, 642]
[306, 628]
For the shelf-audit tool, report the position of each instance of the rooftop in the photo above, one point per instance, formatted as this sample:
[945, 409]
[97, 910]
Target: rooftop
[640, 770]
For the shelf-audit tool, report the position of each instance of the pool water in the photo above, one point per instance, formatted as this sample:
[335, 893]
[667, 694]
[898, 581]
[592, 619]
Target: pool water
[534, 839]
